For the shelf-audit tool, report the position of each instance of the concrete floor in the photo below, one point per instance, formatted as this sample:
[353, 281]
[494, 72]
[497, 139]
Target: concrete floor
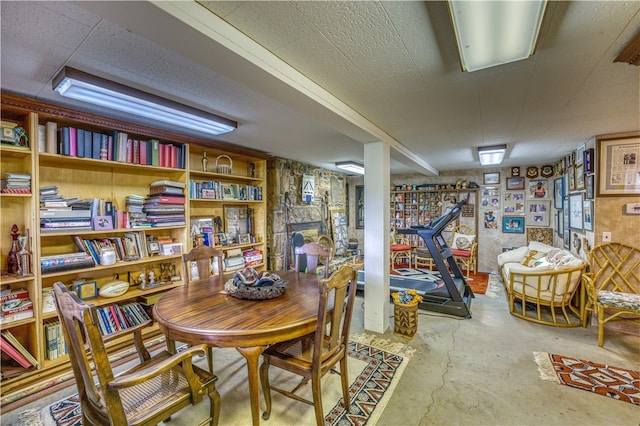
[481, 371]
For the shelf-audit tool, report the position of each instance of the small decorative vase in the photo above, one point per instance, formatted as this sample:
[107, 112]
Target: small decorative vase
[12, 256]
[205, 160]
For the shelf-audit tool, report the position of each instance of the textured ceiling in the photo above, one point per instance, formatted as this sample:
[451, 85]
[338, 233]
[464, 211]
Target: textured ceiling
[314, 81]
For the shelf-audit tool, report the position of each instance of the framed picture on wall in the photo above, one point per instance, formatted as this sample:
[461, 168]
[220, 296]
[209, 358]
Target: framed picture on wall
[579, 171]
[538, 188]
[587, 214]
[513, 225]
[515, 183]
[538, 212]
[491, 178]
[560, 223]
[359, 206]
[588, 161]
[575, 211]
[588, 183]
[558, 192]
[490, 197]
[513, 203]
[618, 172]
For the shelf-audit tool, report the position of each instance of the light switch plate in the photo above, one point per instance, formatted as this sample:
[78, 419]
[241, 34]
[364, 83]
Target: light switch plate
[633, 208]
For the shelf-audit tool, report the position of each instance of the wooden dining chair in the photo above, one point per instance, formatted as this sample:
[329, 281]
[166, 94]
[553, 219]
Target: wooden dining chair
[315, 253]
[314, 355]
[198, 264]
[145, 394]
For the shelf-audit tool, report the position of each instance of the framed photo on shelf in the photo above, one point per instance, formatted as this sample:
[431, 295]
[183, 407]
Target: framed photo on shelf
[538, 212]
[513, 203]
[538, 188]
[587, 212]
[491, 178]
[102, 223]
[229, 191]
[588, 183]
[579, 171]
[515, 183]
[244, 238]
[575, 212]
[558, 192]
[618, 172]
[513, 225]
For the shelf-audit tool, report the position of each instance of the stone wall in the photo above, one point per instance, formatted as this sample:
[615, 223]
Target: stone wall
[286, 210]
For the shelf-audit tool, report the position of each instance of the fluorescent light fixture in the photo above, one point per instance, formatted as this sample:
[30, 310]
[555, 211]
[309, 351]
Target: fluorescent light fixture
[491, 155]
[351, 166]
[491, 33]
[88, 88]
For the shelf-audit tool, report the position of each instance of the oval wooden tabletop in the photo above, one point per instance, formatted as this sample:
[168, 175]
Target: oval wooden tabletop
[201, 312]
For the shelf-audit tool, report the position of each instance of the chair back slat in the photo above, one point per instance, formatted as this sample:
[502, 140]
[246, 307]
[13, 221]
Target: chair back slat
[202, 256]
[615, 267]
[339, 289]
[315, 252]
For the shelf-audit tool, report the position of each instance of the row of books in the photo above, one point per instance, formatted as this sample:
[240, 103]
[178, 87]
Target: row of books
[110, 146]
[54, 343]
[132, 245]
[214, 190]
[113, 318]
[11, 346]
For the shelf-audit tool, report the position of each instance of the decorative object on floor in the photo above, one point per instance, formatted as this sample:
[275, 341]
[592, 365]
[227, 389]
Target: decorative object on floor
[614, 382]
[477, 281]
[375, 367]
[405, 312]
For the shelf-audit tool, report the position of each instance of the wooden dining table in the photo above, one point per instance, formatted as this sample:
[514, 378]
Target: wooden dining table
[203, 313]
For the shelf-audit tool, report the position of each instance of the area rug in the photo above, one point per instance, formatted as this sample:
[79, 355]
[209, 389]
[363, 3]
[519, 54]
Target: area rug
[614, 382]
[478, 281]
[375, 367]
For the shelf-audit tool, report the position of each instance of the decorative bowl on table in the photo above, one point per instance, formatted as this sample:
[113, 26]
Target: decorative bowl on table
[253, 285]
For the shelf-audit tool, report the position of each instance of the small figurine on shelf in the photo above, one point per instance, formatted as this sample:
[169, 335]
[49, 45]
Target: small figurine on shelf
[165, 272]
[142, 279]
[12, 257]
[152, 277]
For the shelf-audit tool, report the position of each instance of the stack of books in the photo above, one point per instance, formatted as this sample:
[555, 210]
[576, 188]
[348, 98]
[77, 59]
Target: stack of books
[114, 318]
[136, 216]
[165, 204]
[16, 183]
[55, 346]
[16, 305]
[61, 214]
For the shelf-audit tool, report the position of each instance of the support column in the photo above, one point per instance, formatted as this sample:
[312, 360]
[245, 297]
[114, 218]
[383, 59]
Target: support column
[376, 236]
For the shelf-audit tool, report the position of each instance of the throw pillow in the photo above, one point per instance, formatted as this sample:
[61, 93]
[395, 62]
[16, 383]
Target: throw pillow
[462, 241]
[531, 257]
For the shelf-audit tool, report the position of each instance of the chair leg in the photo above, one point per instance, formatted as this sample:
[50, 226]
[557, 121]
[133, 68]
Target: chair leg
[317, 398]
[210, 359]
[344, 377]
[600, 326]
[214, 407]
[266, 391]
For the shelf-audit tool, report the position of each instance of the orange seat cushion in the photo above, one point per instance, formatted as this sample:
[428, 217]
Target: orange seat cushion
[461, 253]
[400, 247]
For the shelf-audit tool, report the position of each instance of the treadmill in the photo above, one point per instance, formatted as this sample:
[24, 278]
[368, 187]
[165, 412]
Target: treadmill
[451, 295]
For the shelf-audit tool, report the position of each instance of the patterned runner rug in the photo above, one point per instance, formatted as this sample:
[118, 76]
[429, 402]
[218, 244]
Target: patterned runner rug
[375, 367]
[478, 281]
[614, 382]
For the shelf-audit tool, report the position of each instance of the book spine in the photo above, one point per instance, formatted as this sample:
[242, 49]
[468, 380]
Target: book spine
[105, 319]
[64, 141]
[73, 142]
[114, 317]
[13, 353]
[51, 137]
[155, 152]
[20, 294]
[16, 344]
[101, 324]
[121, 318]
[88, 144]
[104, 147]
[95, 146]
[80, 143]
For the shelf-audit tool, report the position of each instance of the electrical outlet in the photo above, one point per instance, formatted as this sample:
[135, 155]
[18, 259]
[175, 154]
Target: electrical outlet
[606, 237]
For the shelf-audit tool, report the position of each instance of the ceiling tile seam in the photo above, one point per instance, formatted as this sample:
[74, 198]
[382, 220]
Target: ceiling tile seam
[228, 36]
[66, 61]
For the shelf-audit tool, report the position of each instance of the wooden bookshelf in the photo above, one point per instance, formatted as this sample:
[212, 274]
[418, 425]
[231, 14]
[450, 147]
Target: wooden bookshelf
[88, 178]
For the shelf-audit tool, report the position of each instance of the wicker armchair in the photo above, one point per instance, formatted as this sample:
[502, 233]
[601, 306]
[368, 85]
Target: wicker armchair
[613, 284]
[146, 394]
[464, 247]
[400, 249]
